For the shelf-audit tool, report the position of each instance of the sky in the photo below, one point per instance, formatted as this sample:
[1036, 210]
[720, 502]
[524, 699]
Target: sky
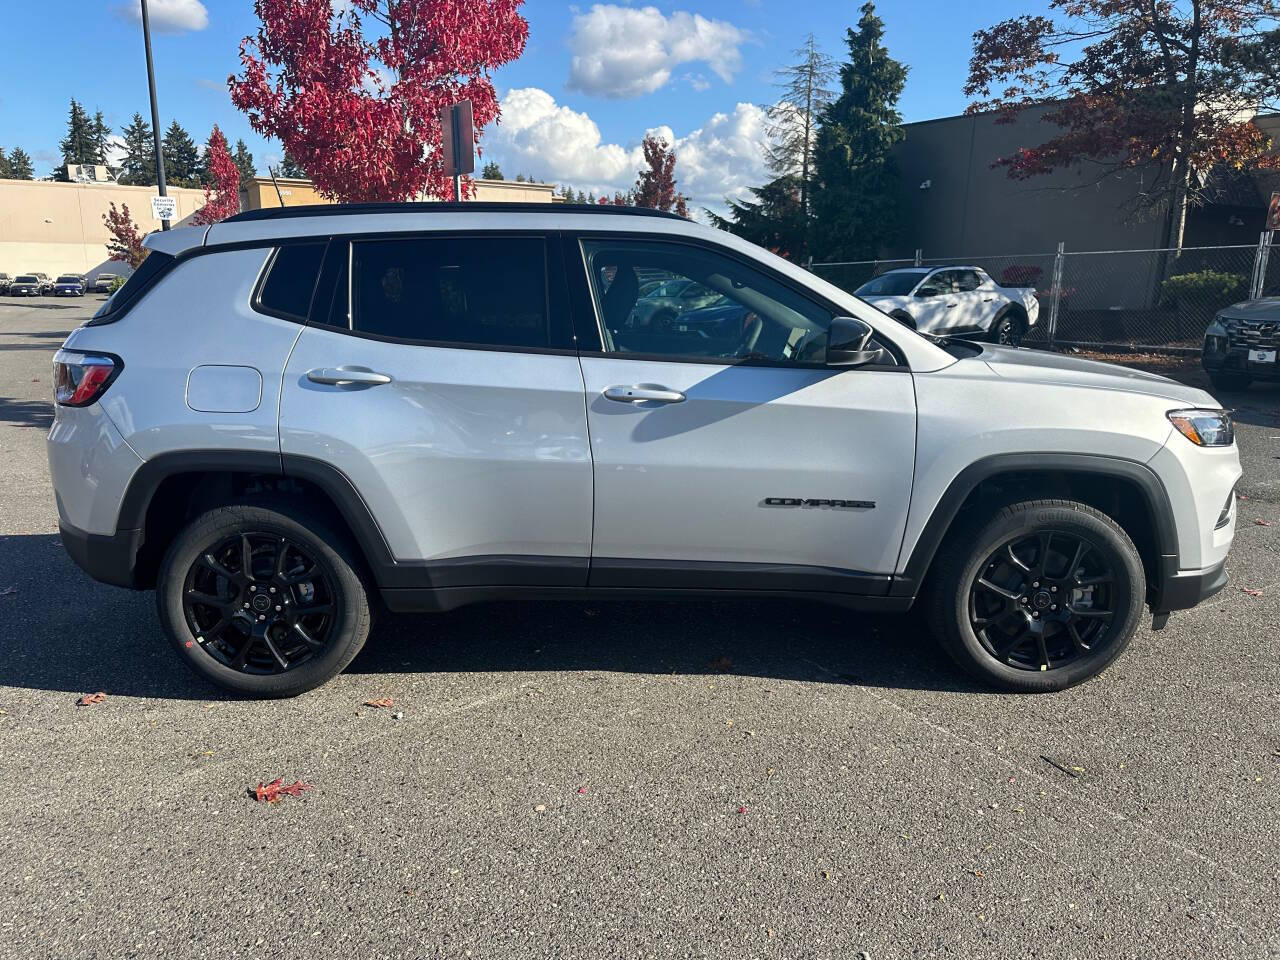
[593, 80]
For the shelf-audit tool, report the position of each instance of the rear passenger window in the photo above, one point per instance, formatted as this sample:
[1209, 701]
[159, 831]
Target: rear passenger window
[291, 280]
[474, 290]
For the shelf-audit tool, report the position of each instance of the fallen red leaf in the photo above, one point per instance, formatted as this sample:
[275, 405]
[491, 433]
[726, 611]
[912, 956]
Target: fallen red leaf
[1251, 591]
[380, 702]
[742, 809]
[582, 789]
[271, 792]
[1263, 523]
[89, 699]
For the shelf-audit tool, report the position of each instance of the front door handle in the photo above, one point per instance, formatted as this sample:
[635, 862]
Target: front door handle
[642, 392]
[344, 375]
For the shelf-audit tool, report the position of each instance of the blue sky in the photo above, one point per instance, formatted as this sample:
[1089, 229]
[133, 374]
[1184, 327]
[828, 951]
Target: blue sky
[594, 77]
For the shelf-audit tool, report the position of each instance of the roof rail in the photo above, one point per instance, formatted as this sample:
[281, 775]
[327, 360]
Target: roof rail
[471, 206]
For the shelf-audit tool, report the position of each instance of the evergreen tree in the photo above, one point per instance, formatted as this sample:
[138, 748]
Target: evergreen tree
[244, 163]
[20, 167]
[775, 220]
[793, 128]
[101, 138]
[491, 171]
[139, 167]
[181, 158]
[289, 168]
[6, 169]
[78, 147]
[856, 198]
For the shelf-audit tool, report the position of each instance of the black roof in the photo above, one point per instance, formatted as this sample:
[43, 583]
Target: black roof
[347, 209]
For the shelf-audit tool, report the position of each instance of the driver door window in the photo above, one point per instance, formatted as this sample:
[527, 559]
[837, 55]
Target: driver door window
[664, 299]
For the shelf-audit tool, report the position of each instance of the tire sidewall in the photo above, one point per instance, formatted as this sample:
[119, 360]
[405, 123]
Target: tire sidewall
[1129, 595]
[347, 634]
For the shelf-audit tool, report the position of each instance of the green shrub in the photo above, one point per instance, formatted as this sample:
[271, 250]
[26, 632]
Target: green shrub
[1206, 288]
[115, 285]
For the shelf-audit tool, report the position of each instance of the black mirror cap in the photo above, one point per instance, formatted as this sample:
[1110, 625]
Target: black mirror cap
[856, 358]
[848, 334]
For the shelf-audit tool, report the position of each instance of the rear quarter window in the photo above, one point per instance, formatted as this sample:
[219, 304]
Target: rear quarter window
[290, 281]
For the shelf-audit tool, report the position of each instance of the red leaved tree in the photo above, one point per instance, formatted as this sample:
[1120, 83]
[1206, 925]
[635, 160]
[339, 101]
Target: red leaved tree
[355, 97]
[222, 197]
[1164, 90]
[656, 184]
[125, 244]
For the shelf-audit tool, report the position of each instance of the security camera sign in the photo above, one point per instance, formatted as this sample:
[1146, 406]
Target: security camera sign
[1273, 212]
[164, 208]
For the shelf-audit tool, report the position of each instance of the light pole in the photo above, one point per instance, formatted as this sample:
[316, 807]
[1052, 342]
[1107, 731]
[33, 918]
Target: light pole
[155, 111]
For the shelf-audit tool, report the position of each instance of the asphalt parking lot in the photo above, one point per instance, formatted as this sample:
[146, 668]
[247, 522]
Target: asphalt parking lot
[563, 779]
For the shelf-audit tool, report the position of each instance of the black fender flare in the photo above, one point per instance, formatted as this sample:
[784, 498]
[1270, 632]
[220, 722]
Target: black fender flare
[944, 512]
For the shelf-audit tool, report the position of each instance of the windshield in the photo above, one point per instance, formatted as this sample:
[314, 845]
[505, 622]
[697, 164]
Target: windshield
[68, 279]
[895, 283]
[25, 279]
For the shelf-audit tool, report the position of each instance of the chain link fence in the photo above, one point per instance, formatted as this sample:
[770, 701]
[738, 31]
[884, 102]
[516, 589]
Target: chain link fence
[1108, 299]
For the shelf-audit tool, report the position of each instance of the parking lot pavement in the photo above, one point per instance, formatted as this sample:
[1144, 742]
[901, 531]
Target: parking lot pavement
[761, 779]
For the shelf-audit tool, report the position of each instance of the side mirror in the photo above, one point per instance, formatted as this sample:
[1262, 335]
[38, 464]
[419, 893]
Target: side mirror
[847, 342]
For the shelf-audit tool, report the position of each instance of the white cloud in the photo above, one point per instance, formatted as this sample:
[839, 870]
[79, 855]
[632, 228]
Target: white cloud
[169, 16]
[116, 150]
[628, 52]
[555, 143]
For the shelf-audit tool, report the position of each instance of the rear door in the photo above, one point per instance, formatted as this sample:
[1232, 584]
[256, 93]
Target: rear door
[726, 453]
[438, 374]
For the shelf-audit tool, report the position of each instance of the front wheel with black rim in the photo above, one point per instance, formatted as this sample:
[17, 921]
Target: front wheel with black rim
[1043, 595]
[1006, 330]
[263, 599]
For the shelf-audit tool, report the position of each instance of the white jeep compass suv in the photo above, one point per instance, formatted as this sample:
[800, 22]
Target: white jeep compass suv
[289, 415]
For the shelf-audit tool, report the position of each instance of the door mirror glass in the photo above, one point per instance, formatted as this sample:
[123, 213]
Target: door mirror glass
[849, 343]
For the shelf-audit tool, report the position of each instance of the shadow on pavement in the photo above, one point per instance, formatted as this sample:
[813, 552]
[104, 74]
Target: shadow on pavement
[26, 413]
[59, 630]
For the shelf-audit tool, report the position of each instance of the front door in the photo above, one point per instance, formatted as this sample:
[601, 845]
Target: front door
[725, 452]
[439, 376]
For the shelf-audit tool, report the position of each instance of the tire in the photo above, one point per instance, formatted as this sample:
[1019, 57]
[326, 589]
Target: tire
[208, 636]
[1006, 329]
[1103, 616]
[1229, 382]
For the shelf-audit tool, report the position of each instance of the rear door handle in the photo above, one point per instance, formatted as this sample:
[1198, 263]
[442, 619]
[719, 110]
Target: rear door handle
[641, 392]
[341, 375]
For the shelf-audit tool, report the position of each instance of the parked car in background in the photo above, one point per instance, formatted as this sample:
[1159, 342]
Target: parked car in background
[5, 280]
[1242, 344]
[954, 301]
[26, 285]
[101, 283]
[69, 285]
[46, 284]
[280, 418]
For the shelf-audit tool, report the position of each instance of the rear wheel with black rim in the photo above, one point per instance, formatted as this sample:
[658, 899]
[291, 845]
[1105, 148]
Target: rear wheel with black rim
[1042, 596]
[263, 599]
[1006, 330]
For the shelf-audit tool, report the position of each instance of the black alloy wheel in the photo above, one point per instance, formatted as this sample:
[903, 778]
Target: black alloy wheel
[259, 603]
[1042, 601]
[1006, 331]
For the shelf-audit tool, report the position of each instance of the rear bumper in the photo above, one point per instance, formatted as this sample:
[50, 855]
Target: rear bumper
[1183, 589]
[107, 557]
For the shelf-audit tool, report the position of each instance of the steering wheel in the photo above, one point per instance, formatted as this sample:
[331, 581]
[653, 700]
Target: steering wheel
[752, 327]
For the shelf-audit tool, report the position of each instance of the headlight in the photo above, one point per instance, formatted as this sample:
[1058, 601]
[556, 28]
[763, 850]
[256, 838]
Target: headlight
[1205, 428]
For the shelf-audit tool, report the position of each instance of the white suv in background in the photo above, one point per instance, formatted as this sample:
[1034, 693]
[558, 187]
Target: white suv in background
[954, 301]
[289, 415]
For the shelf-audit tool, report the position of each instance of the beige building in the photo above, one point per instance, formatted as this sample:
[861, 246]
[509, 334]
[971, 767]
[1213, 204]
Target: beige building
[58, 228]
[286, 192]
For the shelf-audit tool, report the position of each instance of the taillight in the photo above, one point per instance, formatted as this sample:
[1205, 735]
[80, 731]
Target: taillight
[81, 378]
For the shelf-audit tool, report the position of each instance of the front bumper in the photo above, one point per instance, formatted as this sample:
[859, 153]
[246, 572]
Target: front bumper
[1236, 360]
[1183, 589]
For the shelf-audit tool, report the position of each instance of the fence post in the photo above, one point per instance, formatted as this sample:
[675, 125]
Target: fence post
[1260, 259]
[919, 256]
[1055, 292]
[808, 264]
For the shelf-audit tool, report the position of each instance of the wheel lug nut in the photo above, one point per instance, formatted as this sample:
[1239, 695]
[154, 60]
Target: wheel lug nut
[246, 606]
[277, 608]
[1053, 589]
[1036, 614]
[1053, 606]
[261, 616]
[254, 589]
[1036, 584]
[1023, 599]
[273, 589]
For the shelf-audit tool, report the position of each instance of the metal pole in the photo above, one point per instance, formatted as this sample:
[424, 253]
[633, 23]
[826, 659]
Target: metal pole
[1260, 259]
[457, 188]
[919, 256]
[279, 195]
[1055, 293]
[155, 111]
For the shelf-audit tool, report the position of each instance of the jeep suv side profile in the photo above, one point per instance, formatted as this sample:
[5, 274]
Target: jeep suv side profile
[287, 418]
